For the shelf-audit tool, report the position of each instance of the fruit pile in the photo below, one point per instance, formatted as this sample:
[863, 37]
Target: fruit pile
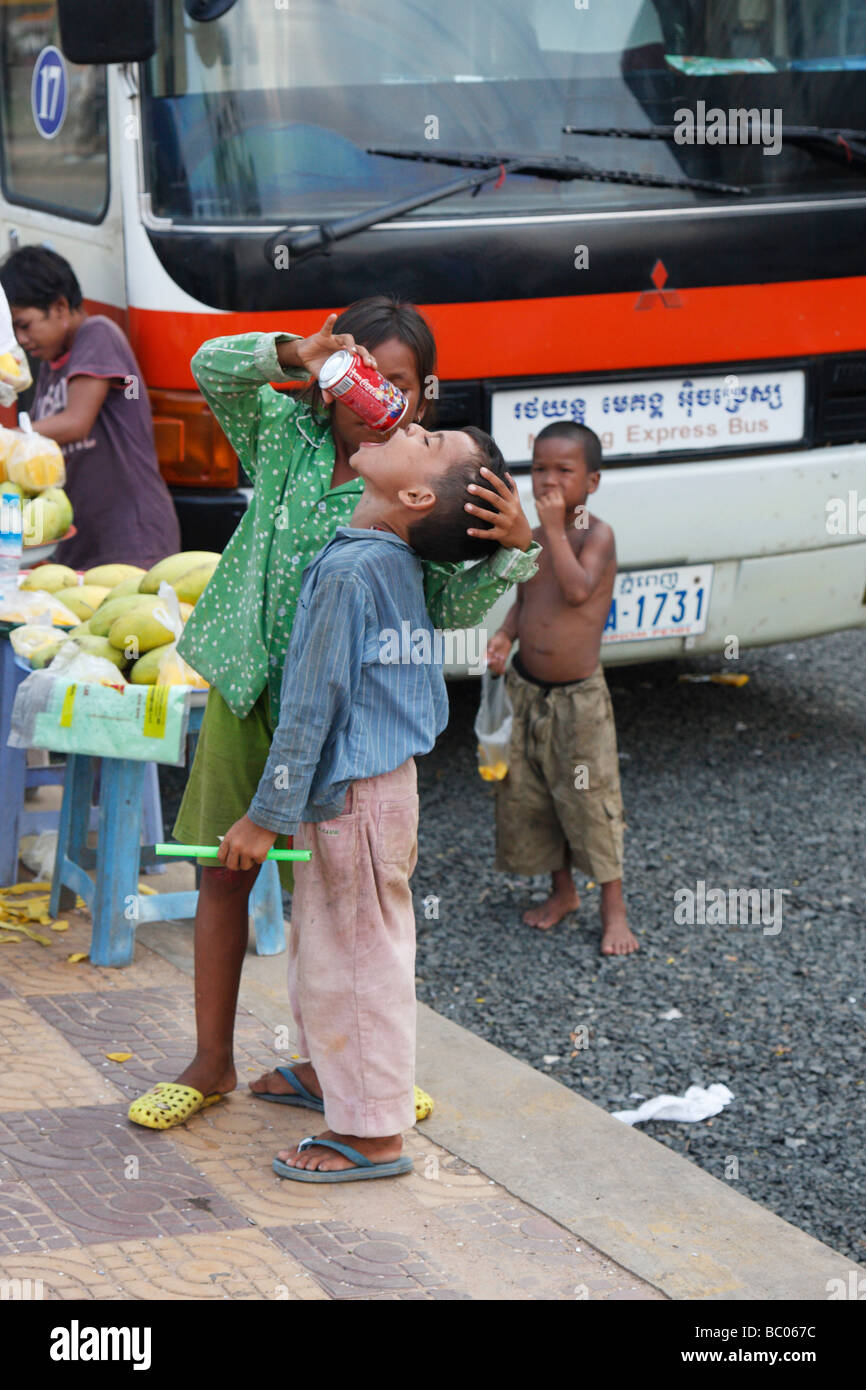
[123, 617]
[33, 466]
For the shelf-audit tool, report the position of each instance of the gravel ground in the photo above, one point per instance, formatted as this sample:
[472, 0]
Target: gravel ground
[758, 787]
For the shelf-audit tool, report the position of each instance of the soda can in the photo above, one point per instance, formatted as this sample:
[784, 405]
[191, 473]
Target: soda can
[366, 392]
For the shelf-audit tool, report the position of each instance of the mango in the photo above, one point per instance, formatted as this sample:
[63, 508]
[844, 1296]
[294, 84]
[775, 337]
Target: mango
[173, 567]
[112, 575]
[50, 578]
[79, 631]
[163, 666]
[58, 497]
[138, 628]
[46, 518]
[83, 599]
[113, 606]
[191, 585]
[100, 646]
[36, 462]
[127, 588]
[16, 373]
[39, 660]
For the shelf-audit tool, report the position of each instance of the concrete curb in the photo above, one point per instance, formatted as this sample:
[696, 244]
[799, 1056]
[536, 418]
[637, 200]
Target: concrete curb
[662, 1217]
[653, 1212]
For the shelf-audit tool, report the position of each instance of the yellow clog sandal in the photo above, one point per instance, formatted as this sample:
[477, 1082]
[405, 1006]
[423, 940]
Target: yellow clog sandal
[423, 1104]
[168, 1104]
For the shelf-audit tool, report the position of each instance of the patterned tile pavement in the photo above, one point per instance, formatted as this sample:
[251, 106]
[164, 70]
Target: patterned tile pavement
[97, 1208]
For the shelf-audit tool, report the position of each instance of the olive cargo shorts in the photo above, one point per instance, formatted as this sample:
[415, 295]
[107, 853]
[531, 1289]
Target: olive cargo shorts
[562, 786]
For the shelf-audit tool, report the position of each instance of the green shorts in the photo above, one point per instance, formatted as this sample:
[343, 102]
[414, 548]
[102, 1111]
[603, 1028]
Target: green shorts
[225, 774]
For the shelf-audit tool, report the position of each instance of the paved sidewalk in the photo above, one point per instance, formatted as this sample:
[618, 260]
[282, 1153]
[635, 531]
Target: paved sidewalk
[98, 1208]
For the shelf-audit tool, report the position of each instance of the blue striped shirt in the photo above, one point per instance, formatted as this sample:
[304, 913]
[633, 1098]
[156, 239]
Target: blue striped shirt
[362, 686]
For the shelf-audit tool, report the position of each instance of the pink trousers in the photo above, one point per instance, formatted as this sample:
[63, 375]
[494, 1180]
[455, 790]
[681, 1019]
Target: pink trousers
[352, 955]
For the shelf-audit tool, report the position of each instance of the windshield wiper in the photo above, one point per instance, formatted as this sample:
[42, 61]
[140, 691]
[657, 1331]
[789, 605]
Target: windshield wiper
[493, 168]
[836, 142]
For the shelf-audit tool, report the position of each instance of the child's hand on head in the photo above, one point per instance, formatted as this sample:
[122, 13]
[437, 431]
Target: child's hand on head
[509, 525]
[551, 509]
[245, 844]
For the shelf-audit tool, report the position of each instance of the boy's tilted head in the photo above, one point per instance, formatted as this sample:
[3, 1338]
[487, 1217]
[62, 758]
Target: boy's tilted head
[567, 457]
[417, 485]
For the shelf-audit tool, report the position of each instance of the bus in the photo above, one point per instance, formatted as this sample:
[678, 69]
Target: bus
[645, 215]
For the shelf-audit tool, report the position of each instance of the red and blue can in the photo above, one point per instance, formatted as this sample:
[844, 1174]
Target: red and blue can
[366, 392]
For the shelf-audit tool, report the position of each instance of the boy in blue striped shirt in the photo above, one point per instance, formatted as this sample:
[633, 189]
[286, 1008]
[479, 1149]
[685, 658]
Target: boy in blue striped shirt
[340, 778]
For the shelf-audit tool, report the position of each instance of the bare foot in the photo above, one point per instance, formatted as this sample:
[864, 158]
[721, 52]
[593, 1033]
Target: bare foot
[617, 939]
[327, 1161]
[208, 1075]
[561, 902]
[275, 1084]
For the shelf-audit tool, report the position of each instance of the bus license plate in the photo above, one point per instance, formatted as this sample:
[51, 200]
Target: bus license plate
[649, 604]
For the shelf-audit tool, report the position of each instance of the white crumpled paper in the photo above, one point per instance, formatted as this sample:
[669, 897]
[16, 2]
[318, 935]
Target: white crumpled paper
[698, 1103]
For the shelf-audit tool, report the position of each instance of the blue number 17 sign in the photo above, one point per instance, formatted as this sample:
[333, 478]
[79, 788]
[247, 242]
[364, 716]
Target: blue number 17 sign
[49, 92]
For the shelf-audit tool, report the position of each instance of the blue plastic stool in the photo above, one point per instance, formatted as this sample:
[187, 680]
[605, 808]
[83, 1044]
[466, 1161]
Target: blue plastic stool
[113, 898]
[15, 777]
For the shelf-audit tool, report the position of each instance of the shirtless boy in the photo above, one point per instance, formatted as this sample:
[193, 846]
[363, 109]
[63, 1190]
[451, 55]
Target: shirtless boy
[560, 803]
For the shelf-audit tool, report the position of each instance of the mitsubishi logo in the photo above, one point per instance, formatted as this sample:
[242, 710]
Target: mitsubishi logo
[669, 298]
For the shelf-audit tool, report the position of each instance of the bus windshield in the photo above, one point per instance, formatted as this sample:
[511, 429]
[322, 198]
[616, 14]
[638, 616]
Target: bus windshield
[266, 114]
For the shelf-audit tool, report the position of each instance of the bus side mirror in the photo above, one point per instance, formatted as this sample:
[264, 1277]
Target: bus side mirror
[103, 31]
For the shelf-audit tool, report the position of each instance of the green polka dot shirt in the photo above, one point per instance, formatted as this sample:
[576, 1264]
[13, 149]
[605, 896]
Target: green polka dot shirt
[238, 633]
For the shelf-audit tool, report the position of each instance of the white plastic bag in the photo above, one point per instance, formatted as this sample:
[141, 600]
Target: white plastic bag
[493, 728]
[72, 663]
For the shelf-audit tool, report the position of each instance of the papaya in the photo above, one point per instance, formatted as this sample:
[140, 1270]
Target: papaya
[112, 575]
[112, 607]
[190, 586]
[83, 599]
[174, 566]
[139, 629]
[50, 578]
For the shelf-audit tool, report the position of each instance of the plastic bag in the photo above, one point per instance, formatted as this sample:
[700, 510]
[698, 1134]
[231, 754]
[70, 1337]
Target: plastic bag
[73, 663]
[36, 463]
[493, 728]
[38, 853]
[164, 666]
[14, 373]
[27, 605]
[32, 638]
[8, 440]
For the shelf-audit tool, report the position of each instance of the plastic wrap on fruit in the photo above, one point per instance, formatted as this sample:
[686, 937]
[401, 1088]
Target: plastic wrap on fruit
[27, 606]
[36, 463]
[14, 374]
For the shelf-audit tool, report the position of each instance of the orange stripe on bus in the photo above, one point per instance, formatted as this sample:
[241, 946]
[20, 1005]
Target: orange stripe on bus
[579, 333]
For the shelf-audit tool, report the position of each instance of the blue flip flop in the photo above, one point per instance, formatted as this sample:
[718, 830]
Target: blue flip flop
[302, 1096]
[365, 1167]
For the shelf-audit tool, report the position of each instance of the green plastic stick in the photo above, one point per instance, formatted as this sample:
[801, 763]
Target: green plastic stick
[211, 851]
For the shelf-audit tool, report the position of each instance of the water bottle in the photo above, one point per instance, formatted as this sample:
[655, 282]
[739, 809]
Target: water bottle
[11, 541]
